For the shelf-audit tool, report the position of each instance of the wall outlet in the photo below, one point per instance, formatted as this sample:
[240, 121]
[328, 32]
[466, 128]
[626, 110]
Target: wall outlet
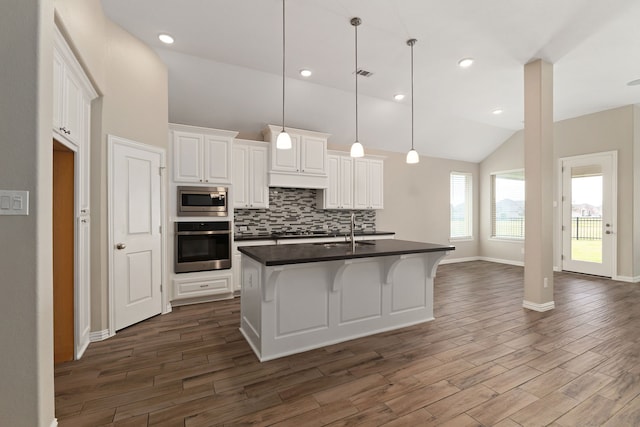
[545, 282]
[243, 228]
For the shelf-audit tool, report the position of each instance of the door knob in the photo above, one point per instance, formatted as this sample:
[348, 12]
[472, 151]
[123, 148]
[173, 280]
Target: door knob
[607, 232]
[120, 246]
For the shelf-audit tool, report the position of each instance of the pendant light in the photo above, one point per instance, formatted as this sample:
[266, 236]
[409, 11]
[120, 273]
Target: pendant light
[283, 142]
[412, 155]
[356, 148]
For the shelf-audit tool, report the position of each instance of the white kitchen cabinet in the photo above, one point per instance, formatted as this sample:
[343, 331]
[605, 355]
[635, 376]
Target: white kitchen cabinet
[250, 188]
[368, 183]
[71, 98]
[339, 192]
[302, 166]
[201, 155]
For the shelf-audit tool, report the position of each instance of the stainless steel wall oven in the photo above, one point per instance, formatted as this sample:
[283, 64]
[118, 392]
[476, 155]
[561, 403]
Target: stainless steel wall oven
[201, 246]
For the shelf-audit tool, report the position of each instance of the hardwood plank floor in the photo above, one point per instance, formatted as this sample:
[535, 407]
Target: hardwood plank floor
[484, 361]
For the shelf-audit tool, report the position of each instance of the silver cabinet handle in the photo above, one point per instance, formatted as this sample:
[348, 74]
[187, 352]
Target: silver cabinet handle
[120, 246]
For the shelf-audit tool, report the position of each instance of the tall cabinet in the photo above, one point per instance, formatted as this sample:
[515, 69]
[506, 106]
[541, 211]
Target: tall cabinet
[72, 96]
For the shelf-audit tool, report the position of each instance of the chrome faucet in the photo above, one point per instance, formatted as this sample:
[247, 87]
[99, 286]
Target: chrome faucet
[353, 226]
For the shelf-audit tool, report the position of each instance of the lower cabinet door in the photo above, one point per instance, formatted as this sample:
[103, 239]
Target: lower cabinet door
[202, 286]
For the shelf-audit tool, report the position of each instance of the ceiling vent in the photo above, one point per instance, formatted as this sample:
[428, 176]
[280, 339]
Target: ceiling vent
[364, 73]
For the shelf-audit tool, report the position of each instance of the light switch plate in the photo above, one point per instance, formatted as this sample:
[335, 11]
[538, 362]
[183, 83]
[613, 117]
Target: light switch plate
[14, 202]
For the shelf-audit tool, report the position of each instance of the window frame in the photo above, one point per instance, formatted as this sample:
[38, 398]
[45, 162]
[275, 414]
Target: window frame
[468, 177]
[492, 207]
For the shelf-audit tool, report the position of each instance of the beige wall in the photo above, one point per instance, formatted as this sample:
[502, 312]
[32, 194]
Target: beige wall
[604, 131]
[26, 102]
[416, 199]
[134, 105]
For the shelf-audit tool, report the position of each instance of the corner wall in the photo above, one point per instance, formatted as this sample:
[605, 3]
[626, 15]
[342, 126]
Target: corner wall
[26, 116]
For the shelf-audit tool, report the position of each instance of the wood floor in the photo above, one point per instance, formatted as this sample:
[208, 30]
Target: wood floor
[484, 361]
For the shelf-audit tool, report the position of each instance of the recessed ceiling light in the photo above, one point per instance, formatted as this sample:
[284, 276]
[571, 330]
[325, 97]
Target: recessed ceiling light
[305, 73]
[497, 111]
[166, 38]
[398, 97]
[635, 82]
[465, 62]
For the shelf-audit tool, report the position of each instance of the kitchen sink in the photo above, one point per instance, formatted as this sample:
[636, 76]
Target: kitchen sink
[359, 243]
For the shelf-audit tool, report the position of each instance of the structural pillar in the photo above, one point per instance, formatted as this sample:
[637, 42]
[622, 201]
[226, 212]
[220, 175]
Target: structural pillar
[538, 164]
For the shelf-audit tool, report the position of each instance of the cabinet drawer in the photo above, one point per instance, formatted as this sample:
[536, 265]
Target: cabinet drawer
[189, 288]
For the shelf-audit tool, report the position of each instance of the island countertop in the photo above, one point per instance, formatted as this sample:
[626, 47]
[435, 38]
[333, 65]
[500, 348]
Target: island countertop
[272, 255]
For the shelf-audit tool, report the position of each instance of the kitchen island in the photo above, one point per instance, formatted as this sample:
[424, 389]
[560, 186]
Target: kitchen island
[303, 296]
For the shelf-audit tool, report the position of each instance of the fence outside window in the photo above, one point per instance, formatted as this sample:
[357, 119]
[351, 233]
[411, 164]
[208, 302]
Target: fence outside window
[586, 228]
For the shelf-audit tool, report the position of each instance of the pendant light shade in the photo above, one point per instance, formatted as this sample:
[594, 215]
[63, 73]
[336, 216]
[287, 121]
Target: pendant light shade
[412, 155]
[283, 142]
[357, 150]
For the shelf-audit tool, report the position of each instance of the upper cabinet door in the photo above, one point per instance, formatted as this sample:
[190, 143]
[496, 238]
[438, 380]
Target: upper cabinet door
[187, 157]
[259, 190]
[217, 166]
[345, 185]
[286, 160]
[376, 184]
[361, 184]
[313, 155]
[58, 90]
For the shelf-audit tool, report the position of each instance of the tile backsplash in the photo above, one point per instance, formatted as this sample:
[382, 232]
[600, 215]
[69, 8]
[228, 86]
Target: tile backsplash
[293, 209]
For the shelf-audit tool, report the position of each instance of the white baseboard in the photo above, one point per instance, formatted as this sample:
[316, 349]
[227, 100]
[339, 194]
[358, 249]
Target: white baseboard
[54, 423]
[539, 307]
[99, 335]
[456, 260]
[502, 261]
[627, 279]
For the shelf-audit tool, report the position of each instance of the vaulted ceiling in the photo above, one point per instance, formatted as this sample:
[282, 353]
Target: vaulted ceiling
[225, 65]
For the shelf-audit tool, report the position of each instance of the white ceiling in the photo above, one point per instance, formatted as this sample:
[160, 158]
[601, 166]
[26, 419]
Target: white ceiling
[225, 66]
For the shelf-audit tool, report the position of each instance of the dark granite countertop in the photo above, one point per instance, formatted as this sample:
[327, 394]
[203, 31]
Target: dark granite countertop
[242, 237]
[272, 255]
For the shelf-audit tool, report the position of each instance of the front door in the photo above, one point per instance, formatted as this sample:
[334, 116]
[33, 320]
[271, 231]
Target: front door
[588, 213]
[135, 213]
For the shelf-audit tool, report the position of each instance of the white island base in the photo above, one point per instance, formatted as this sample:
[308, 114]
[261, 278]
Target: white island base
[288, 309]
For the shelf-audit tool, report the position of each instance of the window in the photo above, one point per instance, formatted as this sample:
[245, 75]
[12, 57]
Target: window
[507, 205]
[460, 202]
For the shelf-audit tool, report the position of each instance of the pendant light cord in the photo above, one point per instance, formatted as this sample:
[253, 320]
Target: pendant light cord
[283, 61]
[356, 26]
[411, 44]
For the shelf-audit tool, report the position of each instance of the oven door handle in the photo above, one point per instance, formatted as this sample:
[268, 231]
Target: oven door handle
[201, 233]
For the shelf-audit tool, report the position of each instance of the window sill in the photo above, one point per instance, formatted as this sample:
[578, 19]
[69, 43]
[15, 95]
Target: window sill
[507, 239]
[461, 239]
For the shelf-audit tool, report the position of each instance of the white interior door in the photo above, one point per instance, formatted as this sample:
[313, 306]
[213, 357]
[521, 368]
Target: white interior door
[136, 242]
[589, 214]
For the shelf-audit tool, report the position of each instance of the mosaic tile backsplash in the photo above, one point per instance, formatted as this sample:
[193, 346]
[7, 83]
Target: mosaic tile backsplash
[295, 209]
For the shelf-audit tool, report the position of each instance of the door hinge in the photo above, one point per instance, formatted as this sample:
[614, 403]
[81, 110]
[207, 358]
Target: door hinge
[160, 169]
[160, 229]
[562, 257]
[563, 228]
[160, 287]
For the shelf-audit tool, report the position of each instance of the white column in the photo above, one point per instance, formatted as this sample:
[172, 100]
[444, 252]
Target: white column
[538, 162]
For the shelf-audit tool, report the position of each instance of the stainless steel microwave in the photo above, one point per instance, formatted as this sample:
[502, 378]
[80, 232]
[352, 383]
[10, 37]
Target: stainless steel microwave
[203, 201]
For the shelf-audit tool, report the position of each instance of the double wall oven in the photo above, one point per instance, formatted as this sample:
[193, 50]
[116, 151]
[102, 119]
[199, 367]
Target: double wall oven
[202, 245]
